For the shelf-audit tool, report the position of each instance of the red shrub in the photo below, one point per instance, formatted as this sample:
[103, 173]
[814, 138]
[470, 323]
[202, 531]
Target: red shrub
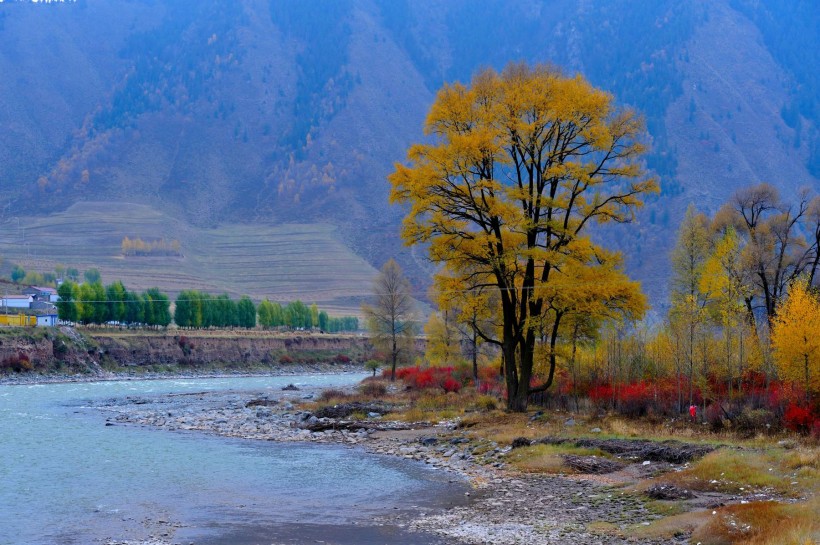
[798, 418]
[489, 381]
[404, 372]
[451, 385]
[488, 373]
[341, 358]
[635, 399]
[463, 374]
[666, 396]
[715, 416]
[424, 379]
[601, 395]
[753, 380]
[285, 359]
[431, 377]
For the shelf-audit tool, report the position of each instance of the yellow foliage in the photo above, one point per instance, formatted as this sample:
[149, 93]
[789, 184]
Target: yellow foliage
[443, 340]
[796, 338]
[519, 164]
[139, 247]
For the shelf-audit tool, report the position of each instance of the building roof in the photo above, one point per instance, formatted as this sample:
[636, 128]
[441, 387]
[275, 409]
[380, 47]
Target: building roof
[16, 297]
[44, 290]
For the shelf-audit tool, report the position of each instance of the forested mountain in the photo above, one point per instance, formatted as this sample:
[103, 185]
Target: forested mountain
[271, 112]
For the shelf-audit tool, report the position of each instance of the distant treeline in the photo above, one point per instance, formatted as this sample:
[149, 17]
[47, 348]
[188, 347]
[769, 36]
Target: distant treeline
[298, 315]
[139, 247]
[93, 303]
[196, 309]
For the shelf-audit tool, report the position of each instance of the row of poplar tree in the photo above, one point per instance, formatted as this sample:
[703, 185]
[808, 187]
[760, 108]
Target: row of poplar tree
[93, 303]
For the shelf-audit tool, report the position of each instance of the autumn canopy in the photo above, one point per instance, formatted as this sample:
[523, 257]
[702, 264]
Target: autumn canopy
[519, 166]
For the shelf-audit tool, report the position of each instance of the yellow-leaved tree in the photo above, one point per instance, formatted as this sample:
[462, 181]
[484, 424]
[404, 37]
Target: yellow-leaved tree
[723, 282]
[475, 307]
[520, 164]
[443, 339]
[796, 338]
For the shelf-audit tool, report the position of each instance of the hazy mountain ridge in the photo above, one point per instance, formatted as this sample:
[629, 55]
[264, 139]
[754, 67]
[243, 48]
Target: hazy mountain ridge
[273, 111]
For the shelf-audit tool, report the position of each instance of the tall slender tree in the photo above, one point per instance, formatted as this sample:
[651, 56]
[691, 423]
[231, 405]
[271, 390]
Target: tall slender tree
[688, 301]
[390, 318]
[796, 338]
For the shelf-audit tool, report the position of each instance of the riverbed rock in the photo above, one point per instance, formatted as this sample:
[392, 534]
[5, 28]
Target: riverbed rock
[666, 491]
[519, 442]
[592, 465]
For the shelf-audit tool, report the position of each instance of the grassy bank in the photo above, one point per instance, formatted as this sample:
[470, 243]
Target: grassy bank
[761, 490]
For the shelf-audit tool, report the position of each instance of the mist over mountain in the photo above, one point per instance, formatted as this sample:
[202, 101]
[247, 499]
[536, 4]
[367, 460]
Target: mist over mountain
[272, 112]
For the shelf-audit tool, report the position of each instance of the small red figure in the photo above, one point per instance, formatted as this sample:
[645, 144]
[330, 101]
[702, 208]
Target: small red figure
[693, 412]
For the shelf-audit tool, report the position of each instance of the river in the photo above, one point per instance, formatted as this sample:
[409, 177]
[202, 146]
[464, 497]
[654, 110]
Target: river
[67, 478]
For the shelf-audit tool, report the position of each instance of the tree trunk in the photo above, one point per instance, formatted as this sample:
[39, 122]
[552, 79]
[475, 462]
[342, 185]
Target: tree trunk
[393, 355]
[808, 394]
[475, 354]
[691, 359]
[515, 400]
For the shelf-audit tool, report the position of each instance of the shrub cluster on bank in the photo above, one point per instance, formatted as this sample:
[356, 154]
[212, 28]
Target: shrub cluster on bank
[758, 406]
[448, 378]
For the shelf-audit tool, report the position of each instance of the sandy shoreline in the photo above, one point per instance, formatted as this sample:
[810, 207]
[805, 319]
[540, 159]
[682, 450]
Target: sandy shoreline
[507, 507]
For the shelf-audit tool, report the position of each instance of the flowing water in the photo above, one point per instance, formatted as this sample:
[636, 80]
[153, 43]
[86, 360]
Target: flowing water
[67, 478]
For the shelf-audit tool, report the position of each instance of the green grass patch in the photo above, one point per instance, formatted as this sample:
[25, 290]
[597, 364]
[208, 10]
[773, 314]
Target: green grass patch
[665, 508]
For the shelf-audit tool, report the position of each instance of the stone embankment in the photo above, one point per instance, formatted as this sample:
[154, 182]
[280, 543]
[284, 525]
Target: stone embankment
[237, 349]
[507, 507]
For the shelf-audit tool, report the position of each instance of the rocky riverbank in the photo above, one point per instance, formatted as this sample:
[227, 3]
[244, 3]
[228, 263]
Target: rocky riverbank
[508, 507]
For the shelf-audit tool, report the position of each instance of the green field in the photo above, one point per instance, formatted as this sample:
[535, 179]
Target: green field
[280, 262]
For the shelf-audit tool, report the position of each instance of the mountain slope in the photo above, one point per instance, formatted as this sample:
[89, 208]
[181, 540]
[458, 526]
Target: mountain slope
[267, 112]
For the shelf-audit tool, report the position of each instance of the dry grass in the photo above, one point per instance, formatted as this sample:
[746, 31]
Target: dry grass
[728, 470]
[801, 458]
[435, 405]
[788, 473]
[762, 523]
[412, 415]
[374, 389]
[604, 529]
[745, 467]
[333, 395]
[503, 427]
[676, 525]
[547, 458]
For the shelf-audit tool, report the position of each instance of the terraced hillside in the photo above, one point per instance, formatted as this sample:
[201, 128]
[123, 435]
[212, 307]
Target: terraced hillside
[282, 263]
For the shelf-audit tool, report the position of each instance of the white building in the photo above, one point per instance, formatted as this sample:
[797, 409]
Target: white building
[16, 301]
[47, 320]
